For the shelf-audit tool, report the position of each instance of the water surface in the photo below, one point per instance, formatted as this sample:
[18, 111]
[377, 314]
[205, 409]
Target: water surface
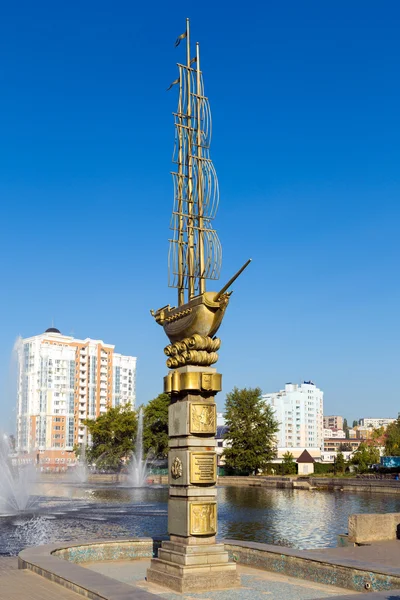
[299, 518]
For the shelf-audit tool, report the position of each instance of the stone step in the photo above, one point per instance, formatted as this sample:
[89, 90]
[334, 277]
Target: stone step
[202, 558]
[195, 549]
[191, 581]
[171, 568]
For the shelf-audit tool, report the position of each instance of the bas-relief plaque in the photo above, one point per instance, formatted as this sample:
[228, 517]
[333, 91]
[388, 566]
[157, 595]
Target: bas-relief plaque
[203, 518]
[203, 467]
[203, 418]
[176, 468]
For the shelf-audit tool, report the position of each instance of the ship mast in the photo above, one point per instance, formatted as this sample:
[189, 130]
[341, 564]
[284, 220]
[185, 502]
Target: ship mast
[189, 158]
[202, 286]
[195, 251]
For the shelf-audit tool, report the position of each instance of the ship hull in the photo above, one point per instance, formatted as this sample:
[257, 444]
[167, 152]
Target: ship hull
[202, 315]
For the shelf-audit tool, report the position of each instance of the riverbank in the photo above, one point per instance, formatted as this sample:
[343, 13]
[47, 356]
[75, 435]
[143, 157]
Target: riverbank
[101, 478]
[343, 484]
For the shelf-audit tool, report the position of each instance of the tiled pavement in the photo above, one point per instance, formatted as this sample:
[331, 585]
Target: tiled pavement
[18, 584]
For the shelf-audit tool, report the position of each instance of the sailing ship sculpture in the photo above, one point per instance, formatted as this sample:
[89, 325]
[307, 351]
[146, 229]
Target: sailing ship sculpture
[192, 559]
[195, 252]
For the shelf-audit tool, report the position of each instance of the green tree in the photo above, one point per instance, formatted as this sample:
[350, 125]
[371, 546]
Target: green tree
[77, 448]
[392, 439]
[378, 436]
[288, 465]
[346, 428]
[340, 463]
[113, 435]
[355, 423]
[155, 426]
[251, 428]
[365, 455]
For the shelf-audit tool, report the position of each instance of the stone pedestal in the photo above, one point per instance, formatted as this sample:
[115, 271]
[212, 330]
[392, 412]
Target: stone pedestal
[192, 560]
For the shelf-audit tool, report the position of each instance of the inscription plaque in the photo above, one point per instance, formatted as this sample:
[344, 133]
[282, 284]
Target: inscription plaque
[203, 467]
[203, 418]
[203, 518]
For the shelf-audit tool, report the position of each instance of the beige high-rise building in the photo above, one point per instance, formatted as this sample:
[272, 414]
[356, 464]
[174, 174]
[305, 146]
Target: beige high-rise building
[333, 422]
[61, 382]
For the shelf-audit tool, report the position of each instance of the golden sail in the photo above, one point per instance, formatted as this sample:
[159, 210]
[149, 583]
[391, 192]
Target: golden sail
[195, 252]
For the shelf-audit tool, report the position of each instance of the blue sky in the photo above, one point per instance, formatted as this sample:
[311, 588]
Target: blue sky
[305, 102]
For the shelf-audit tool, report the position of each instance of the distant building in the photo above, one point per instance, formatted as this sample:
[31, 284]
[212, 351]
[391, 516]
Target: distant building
[375, 423]
[364, 433]
[333, 422]
[330, 457]
[220, 419]
[61, 382]
[334, 433]
[221, 443]
[299, 411]
[335, 444]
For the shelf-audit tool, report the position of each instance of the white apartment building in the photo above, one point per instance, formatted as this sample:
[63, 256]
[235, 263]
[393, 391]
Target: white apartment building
[61, 382]
[375, 423]
[299, 410]
[220, 419]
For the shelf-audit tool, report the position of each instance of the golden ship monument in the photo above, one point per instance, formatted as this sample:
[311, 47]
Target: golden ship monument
[192, 559]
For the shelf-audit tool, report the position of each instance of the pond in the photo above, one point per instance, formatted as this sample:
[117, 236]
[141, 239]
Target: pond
[298, 518]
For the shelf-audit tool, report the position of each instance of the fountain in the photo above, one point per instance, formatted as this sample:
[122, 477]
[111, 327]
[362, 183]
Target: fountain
[80, 473]
[138, 467]
[16, 483]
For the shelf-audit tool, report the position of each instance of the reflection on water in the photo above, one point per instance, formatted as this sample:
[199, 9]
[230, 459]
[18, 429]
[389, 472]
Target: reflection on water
[301, 518]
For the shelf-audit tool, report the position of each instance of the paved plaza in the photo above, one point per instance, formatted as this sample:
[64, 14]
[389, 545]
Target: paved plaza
[383, 556]
[256, 584]
[18, 584]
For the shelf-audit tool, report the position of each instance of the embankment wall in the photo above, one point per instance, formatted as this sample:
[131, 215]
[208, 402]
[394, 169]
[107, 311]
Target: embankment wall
[345, 484]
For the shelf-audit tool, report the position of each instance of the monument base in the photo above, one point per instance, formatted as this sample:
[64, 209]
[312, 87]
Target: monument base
[192, 567]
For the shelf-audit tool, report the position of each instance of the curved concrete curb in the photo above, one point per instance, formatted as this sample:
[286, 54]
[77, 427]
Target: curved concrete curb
[347, 573]
[46, 561]
[53, 562]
